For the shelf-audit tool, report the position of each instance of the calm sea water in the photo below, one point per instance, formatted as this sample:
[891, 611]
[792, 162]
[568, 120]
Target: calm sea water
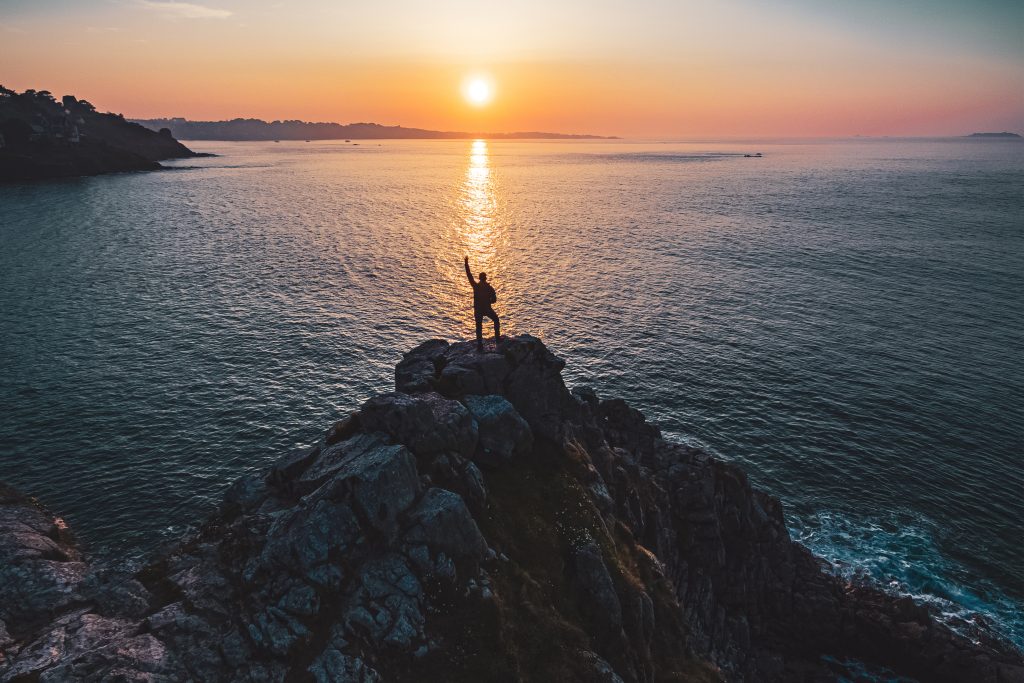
[844, 319]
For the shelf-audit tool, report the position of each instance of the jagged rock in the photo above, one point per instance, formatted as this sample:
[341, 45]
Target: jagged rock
[626, 427]
[276, 631]
[172, 616]
[83, 645]
[597, 597]
[610, 555]
[427, 423]
[342, 429]
[523, 371]
[442, 522]
[598, 670]
[289, 467]
[638, 619]
[301, 600]
[536, 388]
[334, 667]
[386, 606]
[418, 368]
[245, 493]
[306, 538]
[41, 570]
[380, 479]
[116, 593]
[473, 486]
[503, 433]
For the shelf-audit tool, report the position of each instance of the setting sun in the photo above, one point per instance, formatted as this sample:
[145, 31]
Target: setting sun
[478, 91]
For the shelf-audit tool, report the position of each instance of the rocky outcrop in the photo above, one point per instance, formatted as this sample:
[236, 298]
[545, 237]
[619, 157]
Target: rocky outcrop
[480, 523]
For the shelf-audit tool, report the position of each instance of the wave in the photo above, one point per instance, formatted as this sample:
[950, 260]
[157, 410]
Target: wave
[899, 553]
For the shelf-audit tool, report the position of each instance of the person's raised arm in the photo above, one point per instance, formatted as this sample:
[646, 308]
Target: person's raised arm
[469, 273]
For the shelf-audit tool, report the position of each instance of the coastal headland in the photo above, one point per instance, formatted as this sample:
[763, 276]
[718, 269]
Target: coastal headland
[43, 138]
[480, 523]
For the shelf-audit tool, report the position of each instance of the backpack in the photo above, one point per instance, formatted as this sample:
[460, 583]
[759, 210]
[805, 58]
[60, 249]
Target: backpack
[494, 295]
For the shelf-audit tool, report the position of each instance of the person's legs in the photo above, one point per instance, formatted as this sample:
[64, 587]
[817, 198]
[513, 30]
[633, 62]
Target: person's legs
[479, 329]
[497, 324]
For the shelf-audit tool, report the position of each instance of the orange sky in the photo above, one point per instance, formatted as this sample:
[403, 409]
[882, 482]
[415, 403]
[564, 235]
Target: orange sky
[643, 69]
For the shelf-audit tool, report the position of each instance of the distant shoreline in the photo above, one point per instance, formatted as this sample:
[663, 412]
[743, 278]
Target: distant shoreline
[1004, 134]
[238, 130]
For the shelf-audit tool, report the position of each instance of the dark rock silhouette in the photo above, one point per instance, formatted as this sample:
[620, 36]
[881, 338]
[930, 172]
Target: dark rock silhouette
[42, 138]
[1004, 134]
[480, 523]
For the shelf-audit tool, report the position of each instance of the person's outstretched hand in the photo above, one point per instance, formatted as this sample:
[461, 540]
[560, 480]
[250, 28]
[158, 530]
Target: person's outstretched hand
[467, 259]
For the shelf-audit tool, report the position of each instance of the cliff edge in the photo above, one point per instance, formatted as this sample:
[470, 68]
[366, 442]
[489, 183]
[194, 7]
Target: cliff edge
[480, 523]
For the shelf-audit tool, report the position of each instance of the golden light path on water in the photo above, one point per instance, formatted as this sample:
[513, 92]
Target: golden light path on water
[480, 205]
[474, 230]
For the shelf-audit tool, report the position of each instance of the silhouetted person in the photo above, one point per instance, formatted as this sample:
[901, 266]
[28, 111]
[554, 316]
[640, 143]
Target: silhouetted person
[483, 297]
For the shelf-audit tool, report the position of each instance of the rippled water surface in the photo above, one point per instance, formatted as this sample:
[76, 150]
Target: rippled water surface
[844, 319]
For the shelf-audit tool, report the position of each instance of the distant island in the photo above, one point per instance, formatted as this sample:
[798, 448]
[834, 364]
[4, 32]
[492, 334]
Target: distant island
[257, 129]
[1004, 134]
[41, 138]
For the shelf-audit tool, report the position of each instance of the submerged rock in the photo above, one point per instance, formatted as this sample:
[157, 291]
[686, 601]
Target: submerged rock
[585, 548]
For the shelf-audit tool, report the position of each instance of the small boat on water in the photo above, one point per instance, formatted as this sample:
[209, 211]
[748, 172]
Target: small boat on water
[758, 155]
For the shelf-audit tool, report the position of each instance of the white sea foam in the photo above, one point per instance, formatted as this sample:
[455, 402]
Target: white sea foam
[899, 553]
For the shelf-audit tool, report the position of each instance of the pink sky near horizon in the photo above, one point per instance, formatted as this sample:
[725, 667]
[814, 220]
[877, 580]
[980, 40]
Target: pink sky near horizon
[648, 69]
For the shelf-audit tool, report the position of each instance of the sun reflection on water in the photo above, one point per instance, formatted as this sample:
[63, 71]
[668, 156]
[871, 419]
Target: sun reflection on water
[474, 230]
[479, 205]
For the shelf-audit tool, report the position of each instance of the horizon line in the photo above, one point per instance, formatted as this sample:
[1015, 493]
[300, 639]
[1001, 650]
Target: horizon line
[561, 136]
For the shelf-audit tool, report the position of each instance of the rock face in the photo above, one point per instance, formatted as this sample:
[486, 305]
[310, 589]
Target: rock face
[480, 523]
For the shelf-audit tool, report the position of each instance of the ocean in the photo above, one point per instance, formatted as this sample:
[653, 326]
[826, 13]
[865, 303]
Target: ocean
[844, 319]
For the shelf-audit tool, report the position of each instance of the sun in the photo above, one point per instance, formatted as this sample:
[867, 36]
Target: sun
[478, 90]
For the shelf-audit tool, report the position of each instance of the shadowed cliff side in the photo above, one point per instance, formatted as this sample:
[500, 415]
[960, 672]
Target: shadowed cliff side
[480, 523]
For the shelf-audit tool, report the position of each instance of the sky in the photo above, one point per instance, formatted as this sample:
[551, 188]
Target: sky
[680, 69]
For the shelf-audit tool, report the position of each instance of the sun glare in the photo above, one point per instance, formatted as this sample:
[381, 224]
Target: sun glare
[478, 91]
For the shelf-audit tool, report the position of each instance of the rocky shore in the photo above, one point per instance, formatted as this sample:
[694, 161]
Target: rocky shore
[480, 523]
